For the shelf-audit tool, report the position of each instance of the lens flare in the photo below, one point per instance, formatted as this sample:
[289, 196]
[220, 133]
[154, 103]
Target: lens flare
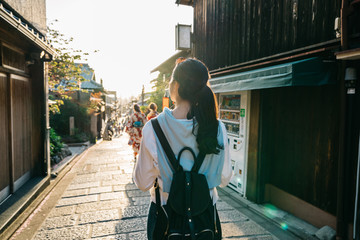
[284, 226]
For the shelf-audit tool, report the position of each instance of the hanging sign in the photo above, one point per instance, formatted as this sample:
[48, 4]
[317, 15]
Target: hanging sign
[165, 102]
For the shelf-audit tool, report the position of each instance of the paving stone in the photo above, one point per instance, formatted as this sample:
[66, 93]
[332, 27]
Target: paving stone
[108, 177]
[100, 189]
[77, 192]
[125, 187]
[115, 165]
[138, 235]
[102, 205]
[112, 195]
[104, 229]
[59, 222]
[325, 233]
[220, 205]
[131, 225]
[135, 211]
[231, 216]
[122, 179]
[128, 170]
[106, 168]
[99, 216]
[267, 237]
[83, 172]
[69, 233]
[237, 229]
[122, 176]
[91, 165]
[141, 200]
[77, 200]
[84, 178]
[111, 237]
[62, 211]
[84, 185]
[137, 193]
[107, 173]
[93, 179]
[115, 182]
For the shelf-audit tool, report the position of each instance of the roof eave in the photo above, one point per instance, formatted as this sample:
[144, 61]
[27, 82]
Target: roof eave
[41, 42]
[185, 2]
[171, 60]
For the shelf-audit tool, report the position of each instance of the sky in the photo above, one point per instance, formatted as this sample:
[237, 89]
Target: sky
[133, 37]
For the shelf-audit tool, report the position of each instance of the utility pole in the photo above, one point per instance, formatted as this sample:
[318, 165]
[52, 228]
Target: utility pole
[142, 95]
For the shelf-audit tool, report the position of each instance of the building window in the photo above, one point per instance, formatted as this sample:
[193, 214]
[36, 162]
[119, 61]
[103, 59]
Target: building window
[13, 59]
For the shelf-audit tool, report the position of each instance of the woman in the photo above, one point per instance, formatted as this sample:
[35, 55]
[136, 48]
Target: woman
[134, 129]
[192, 123]
[153, 113]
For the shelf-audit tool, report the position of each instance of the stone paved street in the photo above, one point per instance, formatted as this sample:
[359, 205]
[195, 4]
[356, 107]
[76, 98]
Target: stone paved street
[101, 202]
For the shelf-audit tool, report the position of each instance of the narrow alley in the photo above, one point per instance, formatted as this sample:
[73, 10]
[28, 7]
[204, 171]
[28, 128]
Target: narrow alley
[96, 199]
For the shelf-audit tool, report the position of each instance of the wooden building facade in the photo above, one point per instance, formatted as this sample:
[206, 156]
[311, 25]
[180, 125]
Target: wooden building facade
[23, 102]
[298, 153]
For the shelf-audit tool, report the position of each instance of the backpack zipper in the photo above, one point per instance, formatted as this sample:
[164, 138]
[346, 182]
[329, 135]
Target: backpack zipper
[167, 222]
[206, 230]
[216, 230]
[188, 234]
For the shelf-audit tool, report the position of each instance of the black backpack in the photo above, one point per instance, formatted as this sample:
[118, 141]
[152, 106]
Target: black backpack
[189, 212]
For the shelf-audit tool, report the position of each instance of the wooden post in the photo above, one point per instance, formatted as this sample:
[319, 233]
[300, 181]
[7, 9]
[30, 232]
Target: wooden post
[45, 120]
[10, 132]
[71, 125]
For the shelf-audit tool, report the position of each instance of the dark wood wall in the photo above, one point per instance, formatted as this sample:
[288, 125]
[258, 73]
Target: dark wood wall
[38, 119]
[299, 142]
[4, 147]
[229, 32]
[22, 114]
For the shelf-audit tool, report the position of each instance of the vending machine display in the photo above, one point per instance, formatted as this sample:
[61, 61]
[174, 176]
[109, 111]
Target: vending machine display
[231, 102]
[232, 114]
[232, 128]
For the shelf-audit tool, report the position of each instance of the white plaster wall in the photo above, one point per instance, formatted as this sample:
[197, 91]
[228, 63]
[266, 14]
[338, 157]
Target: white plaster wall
[34, 11]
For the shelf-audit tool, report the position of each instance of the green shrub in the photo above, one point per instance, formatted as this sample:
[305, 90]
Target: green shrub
[78, 137]
[143, 109]
[60, 122]
[56, 143]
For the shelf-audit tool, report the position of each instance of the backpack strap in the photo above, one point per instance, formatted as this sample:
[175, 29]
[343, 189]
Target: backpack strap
[198, 162]
[165, 145]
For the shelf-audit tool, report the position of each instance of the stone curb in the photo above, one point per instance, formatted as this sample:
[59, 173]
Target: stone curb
[292, 226]
[56, 172]
[36, 200]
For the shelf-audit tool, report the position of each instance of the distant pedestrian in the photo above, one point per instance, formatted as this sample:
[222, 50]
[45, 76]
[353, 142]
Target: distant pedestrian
[153, 113]
[134, 128]
[122, 125]
[193, 124]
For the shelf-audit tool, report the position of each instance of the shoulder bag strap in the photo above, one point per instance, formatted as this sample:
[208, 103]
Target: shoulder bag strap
[165, 145]
[157, 194]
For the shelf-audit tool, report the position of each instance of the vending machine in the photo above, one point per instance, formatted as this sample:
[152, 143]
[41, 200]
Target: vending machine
[233, 108]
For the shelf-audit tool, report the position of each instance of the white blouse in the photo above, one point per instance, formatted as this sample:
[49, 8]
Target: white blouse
[147, 170]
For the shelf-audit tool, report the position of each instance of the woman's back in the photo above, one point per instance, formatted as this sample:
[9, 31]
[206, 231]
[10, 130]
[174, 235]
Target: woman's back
[193, 123]
[179, 133]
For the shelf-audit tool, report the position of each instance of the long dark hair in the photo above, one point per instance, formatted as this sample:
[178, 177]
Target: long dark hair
[192, 76]
[136, 108]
